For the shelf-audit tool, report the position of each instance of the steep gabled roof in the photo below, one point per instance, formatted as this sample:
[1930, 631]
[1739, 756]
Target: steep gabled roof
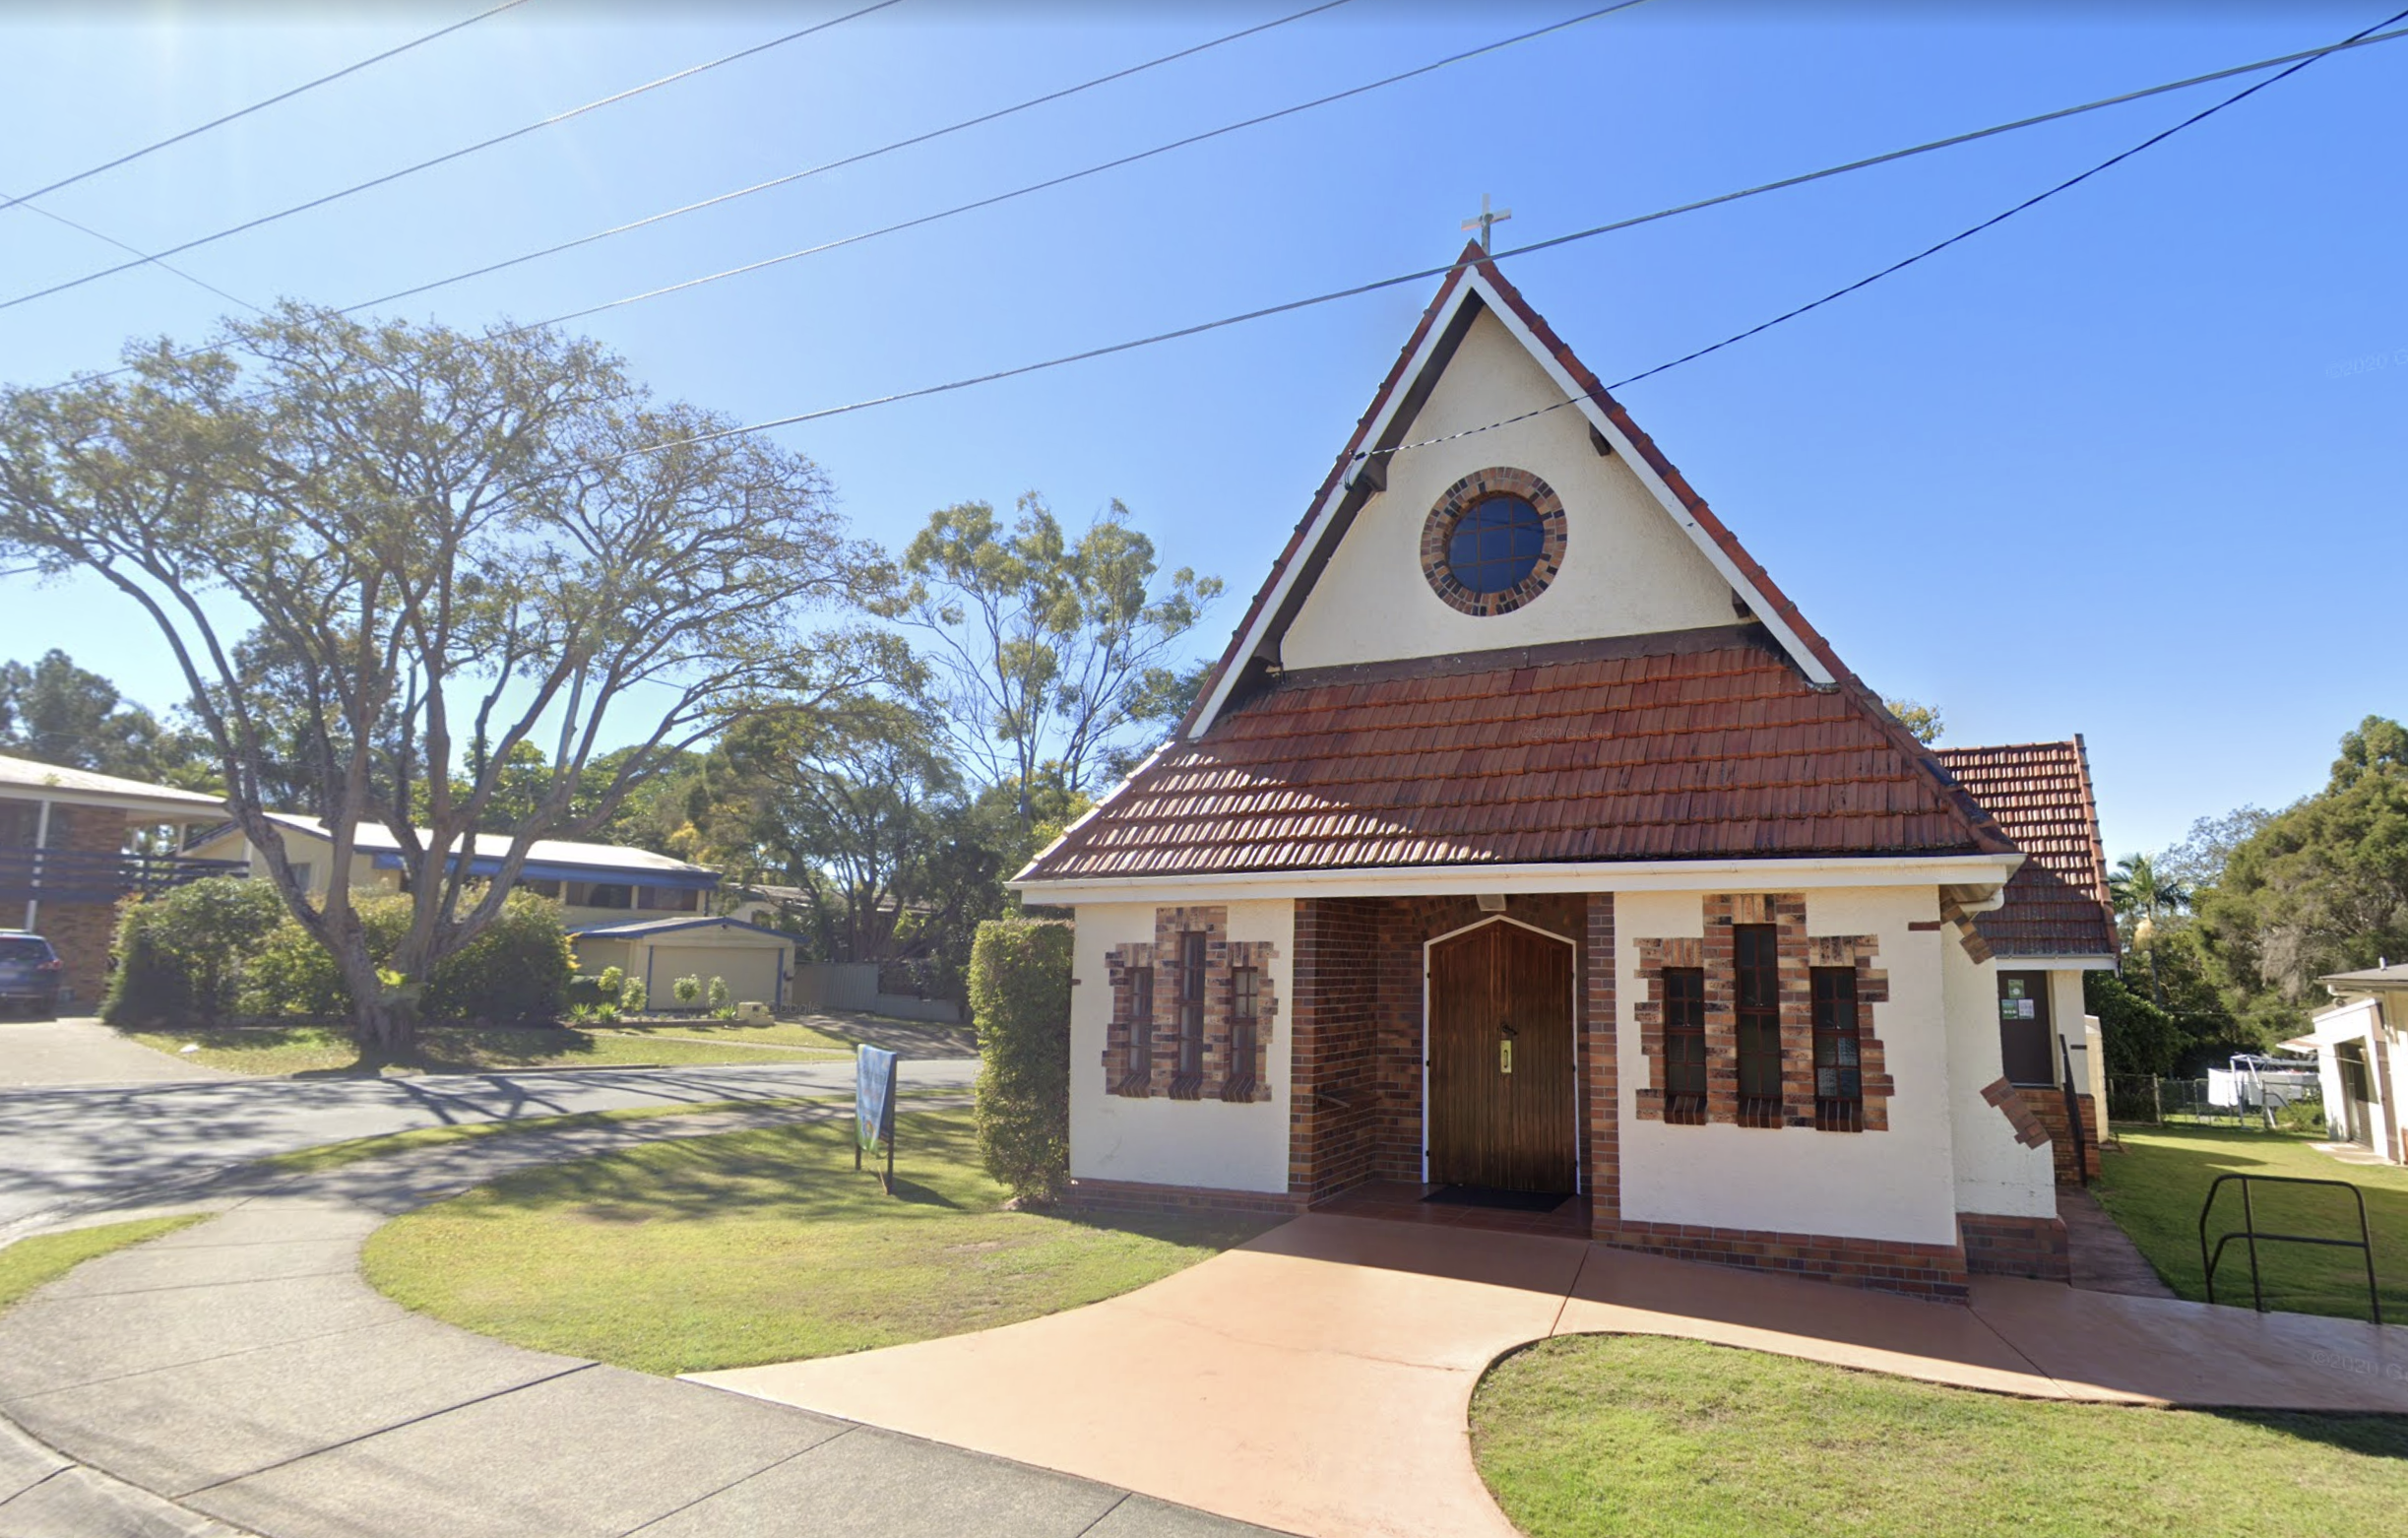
[1751, 741]
[2057, 903]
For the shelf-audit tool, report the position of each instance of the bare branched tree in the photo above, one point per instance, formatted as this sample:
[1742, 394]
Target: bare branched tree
[436, 537]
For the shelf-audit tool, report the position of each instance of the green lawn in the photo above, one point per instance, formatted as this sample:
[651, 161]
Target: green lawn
[763, 1247]
[333, 1156]
[452, 1049]
[2155, 1186]
[1644, 1437]
[779, 1033]
[30, 1262]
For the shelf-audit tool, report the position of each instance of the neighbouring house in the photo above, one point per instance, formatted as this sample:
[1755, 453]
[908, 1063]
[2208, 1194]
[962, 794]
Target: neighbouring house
[2359, 1064]
[1527, 842]
[649, 915]
[67, 858]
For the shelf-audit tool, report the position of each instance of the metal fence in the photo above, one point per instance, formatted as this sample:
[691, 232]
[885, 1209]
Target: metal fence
[2151, 1101]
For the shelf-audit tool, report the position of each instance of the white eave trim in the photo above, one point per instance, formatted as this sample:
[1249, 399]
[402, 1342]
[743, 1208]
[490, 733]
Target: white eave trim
[1757, 605]
[1616, 876]
[1318, 527]
[2057, 963]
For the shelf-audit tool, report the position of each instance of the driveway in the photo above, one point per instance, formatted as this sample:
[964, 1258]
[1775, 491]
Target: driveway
[63, 1150]
[86, 1051]
[239, 1376]
[1318, 1380]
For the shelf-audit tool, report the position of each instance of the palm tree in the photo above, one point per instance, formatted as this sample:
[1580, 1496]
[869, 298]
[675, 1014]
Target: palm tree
[2142, 894]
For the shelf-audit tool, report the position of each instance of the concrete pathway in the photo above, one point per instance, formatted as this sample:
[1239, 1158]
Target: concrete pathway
[86, 1051]
[2103, 1256]
[1318, 1380]
[66, 1150]
[239, 1376]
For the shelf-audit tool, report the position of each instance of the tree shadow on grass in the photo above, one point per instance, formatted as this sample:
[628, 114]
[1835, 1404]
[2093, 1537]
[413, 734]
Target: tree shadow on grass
[2372, 1435]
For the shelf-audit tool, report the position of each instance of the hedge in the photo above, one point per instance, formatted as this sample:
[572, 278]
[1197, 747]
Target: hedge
[1019, 1001]
[181, 956]
[227, 945]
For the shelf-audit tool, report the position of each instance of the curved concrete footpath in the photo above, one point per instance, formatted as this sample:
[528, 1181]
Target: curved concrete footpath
[239, 1376]
[1319, 1378]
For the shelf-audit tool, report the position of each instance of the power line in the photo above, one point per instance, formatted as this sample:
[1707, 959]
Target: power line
[445, 158]
[1002, 196]
[2297, 61]
[282, 95]
[792, 177]
[1070, 176]
[169, 267]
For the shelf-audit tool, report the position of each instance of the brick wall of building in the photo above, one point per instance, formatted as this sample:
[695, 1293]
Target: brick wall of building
[1332, 1023]
[1931, 1271]
[2047, 1108]
[1139, 1196]
[1999, 1246]
[82, 932]
[1601, 1078]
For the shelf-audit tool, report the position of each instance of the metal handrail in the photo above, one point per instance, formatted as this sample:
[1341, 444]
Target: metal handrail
[2364, 1243]
[2073, 1113]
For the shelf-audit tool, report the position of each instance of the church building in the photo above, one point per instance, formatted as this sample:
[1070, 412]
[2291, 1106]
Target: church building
[1529, 853]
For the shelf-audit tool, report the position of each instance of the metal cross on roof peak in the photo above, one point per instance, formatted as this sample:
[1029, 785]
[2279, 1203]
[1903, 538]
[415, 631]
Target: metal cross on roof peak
[1488, 219]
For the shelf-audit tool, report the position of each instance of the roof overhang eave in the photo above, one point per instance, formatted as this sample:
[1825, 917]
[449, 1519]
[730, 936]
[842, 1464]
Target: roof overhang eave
[1961, 872]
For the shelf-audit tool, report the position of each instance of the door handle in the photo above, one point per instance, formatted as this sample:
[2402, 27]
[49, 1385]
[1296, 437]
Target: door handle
[1505, 1057]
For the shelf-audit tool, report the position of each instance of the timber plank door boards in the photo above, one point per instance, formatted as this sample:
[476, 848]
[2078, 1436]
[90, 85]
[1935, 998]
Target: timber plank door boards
[1501, 1076]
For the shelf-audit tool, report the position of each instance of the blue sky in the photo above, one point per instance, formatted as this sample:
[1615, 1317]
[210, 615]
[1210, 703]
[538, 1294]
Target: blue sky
[2130, 465]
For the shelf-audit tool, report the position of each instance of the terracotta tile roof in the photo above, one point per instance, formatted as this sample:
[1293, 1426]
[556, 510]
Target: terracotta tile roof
[2056, 905]
[1695, 744]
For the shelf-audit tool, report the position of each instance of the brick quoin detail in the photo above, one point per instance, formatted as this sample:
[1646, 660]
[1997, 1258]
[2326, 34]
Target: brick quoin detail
[1121, 1077]
[1931, 1271]
[2030, 1130]
[2047, 1108]
[1997, 1244]
[1797, 953]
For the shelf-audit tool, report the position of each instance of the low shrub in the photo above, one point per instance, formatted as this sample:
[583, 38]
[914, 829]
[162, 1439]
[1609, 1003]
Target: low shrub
[718, 994]
[185, 955]
[1020, 999]
[631, 999]
[516, 971]
[688, 991]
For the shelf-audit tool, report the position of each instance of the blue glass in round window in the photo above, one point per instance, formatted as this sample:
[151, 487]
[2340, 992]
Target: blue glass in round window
[1496, 543]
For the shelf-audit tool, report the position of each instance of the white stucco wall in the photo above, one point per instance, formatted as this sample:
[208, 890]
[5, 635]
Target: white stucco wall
[2067, 1011]
[2359, 1022]
[1204, 1142]
[1994, 1172]
[1628, 568]
[1893, 1184]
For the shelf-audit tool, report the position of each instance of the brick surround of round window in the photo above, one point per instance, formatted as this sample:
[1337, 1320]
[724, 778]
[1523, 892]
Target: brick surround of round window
[1438, 532]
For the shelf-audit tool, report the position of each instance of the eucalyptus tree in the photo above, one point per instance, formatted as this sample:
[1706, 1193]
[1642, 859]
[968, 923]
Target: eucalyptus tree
[439, 538]
[1047, 653]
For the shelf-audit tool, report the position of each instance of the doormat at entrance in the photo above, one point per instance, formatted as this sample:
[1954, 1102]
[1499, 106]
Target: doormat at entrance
[1489, 1197]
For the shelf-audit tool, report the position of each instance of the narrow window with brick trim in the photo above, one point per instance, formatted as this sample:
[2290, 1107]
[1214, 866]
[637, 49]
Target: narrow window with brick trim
[1244, 1006]
[1839, 1077]
[1187, 1080]
[1139, 1079]
[1757, 1001]
[1685, 1046]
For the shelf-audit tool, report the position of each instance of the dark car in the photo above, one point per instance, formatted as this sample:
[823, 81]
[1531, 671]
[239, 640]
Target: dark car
[29, 974]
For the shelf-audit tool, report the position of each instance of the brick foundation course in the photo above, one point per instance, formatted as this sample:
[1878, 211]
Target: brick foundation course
[1997, 1244]
[1935, 1273]
[1093, 1196]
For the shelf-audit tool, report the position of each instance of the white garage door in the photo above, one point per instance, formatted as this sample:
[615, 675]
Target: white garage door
[751, 971]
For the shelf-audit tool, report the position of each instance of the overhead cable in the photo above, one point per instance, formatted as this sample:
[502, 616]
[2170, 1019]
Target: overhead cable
[283, 95]
[2296, 62]
[448, 157]
[792, 177]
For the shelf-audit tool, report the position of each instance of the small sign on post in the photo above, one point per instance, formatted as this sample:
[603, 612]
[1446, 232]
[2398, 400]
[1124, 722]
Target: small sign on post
[873, 1108]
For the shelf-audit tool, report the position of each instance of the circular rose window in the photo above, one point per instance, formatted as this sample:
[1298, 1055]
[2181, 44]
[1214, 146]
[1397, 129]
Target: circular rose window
[1493, 541]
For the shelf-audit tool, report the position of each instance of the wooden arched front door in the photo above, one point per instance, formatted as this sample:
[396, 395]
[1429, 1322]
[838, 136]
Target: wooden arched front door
[1501, 1086]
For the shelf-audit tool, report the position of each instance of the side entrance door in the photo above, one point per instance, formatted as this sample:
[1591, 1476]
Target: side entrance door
[1500, 1064]
[2026, 1038]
